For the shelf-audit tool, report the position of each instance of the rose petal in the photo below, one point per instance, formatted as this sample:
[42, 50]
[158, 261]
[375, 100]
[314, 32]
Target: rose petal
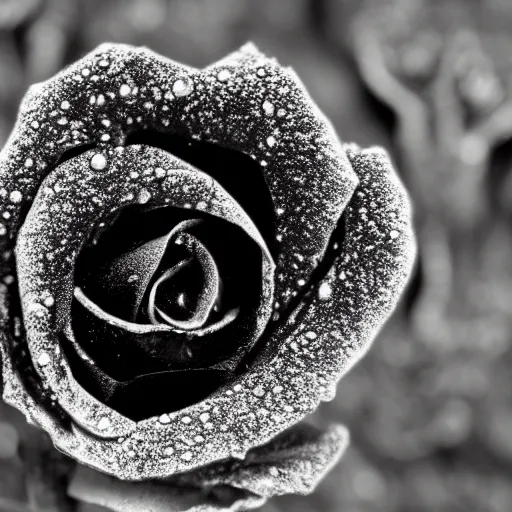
[52, 228]
[293, 463]
[120, 284]
[92, 487]
[147, 394]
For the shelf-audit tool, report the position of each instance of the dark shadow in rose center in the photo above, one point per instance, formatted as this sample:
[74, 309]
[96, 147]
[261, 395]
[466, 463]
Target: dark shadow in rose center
[143, 375]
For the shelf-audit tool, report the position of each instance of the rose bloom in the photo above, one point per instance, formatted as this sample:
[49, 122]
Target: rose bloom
[192, 260]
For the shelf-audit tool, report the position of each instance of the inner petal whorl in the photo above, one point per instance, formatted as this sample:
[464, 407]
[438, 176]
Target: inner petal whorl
[207, 297]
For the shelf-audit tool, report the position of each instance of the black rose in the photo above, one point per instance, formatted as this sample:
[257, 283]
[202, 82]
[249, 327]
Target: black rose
[192, 261]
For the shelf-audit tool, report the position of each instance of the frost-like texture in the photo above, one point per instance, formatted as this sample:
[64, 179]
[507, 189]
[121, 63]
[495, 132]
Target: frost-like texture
[337, 276]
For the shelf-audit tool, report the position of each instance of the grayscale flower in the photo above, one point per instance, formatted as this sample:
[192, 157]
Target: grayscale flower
[192, 262]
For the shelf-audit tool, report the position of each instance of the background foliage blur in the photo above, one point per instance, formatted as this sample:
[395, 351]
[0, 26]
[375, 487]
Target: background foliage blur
[430, 407]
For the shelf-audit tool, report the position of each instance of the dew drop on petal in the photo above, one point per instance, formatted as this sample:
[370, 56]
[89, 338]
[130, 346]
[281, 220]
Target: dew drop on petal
[224, 75]
[144, 196]
[98, 162]
[182, 88]
[124, 90]
[49, 301]
[15, 196]
[44, 359]
[187, 456]
[164, 419]
[259, 391]
[325, 291]
[103, 424]
[268, 108]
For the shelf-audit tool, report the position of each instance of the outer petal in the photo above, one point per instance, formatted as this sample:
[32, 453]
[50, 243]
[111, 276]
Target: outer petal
[90, 486]
[293, 463]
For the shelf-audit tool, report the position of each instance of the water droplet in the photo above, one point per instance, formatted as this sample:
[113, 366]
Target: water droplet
[124, 90]
[224, 75]
[49, 301]
[259, 391]
[187, 456]
[159, 172]
[44, 359]
[144, 196]
[104, 423]
[98, 162]
[182, 88]
[324, 291]
[164, 419]
[268, 108]
[15, 196]
[38, 309]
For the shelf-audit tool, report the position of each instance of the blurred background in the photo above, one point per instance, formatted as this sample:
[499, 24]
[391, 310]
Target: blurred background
[430, 407]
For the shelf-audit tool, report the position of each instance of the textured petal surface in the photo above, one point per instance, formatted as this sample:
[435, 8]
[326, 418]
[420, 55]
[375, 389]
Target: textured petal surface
[292, 463]
[246, 102]
[298, 367]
